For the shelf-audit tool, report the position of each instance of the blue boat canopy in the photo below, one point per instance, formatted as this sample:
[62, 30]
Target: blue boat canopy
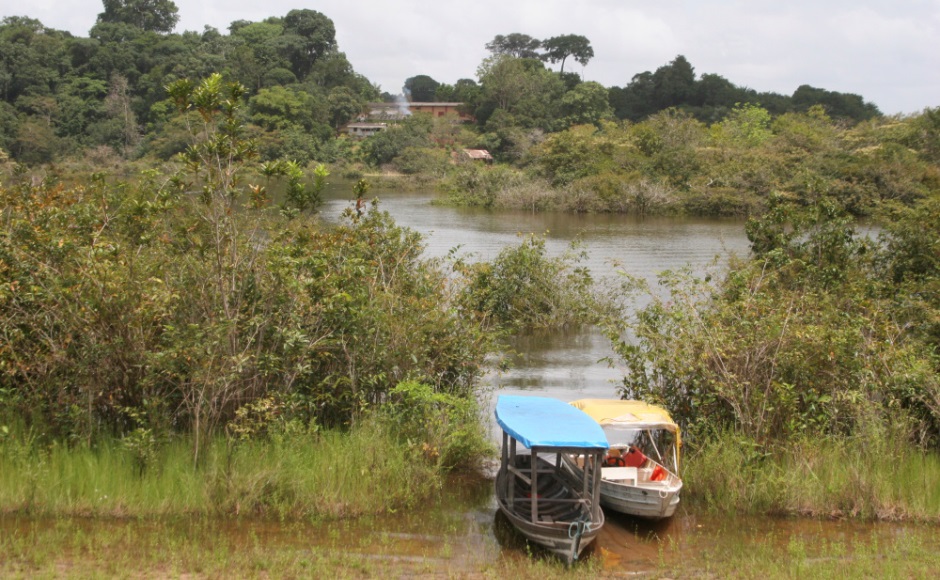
[545, 422]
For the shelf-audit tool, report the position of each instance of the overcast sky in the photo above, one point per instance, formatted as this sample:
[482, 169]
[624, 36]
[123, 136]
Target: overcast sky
[888, 51]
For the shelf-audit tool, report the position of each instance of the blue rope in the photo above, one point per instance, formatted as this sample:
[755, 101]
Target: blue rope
[576, 529]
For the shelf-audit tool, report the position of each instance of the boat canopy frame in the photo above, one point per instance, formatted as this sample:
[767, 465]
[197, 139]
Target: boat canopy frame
[549, 426]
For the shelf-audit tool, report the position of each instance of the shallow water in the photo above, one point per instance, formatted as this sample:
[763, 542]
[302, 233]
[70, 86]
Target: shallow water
[458, 534]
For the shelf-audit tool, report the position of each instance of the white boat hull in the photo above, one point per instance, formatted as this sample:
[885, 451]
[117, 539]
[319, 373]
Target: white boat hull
[651, 500]
[645, 499]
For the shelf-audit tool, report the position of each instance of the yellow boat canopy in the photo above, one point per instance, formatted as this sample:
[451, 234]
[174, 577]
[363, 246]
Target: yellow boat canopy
[628, 415]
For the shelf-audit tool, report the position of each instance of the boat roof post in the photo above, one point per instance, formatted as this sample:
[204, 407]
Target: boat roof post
[535, 485]
[596, 491]
[511, 480]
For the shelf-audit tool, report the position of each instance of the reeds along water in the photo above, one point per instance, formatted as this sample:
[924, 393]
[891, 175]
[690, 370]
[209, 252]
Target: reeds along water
[328, 474]
[881, 479]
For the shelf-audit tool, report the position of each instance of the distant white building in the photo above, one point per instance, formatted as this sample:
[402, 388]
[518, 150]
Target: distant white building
[363, 130]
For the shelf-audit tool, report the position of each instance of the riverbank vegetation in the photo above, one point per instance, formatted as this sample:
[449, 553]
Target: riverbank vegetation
[168, 292]
[181, 343]
[883, 479]
[805, 376]
[262, 465]
[672, 163]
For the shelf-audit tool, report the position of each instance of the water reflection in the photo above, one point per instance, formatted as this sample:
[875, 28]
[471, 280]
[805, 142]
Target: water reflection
[458, 534]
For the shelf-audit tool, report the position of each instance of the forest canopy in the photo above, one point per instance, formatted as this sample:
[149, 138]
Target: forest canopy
[67, 96]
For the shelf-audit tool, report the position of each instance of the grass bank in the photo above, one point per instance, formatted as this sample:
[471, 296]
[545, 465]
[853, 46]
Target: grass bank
[327, 474]
[883, 479]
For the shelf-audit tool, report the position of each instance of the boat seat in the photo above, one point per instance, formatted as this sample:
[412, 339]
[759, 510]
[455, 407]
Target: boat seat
[620, 474]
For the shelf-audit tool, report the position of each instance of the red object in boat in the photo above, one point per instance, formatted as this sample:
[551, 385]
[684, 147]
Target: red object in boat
[634, 458]
[658, 474]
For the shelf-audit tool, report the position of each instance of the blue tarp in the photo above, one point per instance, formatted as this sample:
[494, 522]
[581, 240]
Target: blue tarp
[545, 422]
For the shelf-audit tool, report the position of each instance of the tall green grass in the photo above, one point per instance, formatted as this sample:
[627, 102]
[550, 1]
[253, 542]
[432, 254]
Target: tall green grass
[327, 474]
[876, 479]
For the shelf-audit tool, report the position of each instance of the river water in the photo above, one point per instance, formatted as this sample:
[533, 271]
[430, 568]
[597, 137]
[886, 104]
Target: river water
[566, 365]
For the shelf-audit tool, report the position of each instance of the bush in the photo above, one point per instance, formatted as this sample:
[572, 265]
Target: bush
[523, 288]
[167, 304]
[445, 429]
[807, 337]
[480, 186]
[424, 161]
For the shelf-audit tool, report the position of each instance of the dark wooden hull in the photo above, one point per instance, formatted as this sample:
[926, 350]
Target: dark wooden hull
[565, 526]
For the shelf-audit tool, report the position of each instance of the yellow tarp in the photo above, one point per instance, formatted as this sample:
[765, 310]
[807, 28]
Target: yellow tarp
[629, 413]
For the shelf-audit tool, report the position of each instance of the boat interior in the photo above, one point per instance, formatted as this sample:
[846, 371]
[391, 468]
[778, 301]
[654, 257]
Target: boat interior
[645, 473]
[554, 495]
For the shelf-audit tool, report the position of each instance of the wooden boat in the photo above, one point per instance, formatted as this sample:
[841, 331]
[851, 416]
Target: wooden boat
[541, 499]
[640, 473]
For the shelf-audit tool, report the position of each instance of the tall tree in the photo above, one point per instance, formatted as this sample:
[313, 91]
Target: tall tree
[153, 15]
[527, 93]
[344, 106]
[674, 83]
[515, 44]
[308, 37]
[635, 101]
[118, 105]
[420, 89]
[559, 48]
[586, 103]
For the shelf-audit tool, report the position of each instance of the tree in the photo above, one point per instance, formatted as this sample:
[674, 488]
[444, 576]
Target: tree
[586, 103]
[528, 93]
[278, 108]
[256, 52]
[151, 15]
[515, 44]
[308, 37]
[118, 105]
[837, 104]
[35, 142]
[33, 58]
[420, 89]
[413, 132]
[344, 106]
[635, 101]
[716, 91]
[503, 80]
[465, 91]
[559, 48]
[333, 70]
[747, 125]
[674, 83]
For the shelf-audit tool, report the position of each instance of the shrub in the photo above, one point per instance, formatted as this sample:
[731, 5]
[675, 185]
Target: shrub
[445, 429]
[525, 288]
[805, 337]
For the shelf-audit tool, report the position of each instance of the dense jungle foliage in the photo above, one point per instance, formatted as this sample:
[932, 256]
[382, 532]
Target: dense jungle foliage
[149, 285]
[826, 331]
[661, 140]
[669, 141]
[189, 302]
